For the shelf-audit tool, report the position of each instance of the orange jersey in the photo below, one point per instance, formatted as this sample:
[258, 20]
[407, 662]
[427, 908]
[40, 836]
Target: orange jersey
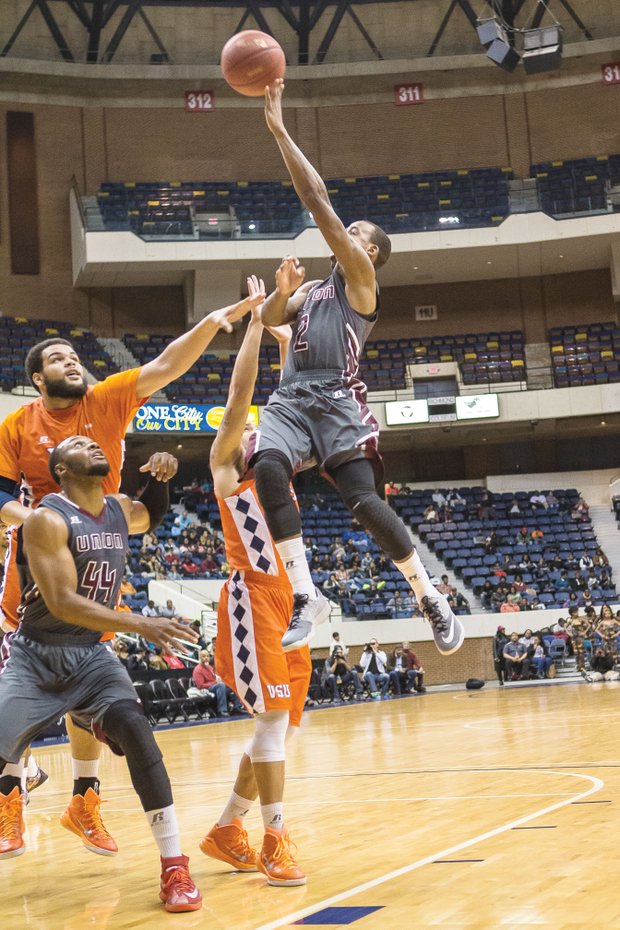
[249, 546]
[28, 435]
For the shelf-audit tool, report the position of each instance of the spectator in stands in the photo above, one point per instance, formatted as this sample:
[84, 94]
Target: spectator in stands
[454, 497]
[373, 662]
[406, 672]
[491, 543]
[537, 533]
[499, 642]
[120, 648]
[458, 602]
[601, 559]
[513, 596]
[338, 550]
[538, 657]
[563, 582]
[430, 515]
[337, 642]
[515, 657]
[486, 595]
[444, 586]
[157, 662]
[169, 611]
[578, 583]
[150, 610]
[581, 511]
[552, 501]
[498, 598]
[586, 561]
[439, 499]
[391, 488]
[499, 570]
[508, 607]
[527, 638]
[601, 666]
[206, 680]
[514, 507]
[337, 671]
[522, 538]
[571, 601]
[538, 501]
[138, 662]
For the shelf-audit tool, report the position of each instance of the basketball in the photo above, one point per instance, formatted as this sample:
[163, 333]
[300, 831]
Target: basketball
[251, 60]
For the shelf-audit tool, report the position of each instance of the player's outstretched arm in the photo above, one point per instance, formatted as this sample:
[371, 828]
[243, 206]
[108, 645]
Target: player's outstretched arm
[179, 356]
[312, 192]
[53, 571]
[225, 449]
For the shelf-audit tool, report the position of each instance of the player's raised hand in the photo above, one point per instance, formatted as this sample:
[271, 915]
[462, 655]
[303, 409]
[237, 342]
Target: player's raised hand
[273, 105]
[225, 317]
[256, 288]
[162, 466]
[168, 633]
[290, 275]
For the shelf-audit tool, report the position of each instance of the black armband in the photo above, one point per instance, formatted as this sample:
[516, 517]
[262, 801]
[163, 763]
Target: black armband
[156, 499]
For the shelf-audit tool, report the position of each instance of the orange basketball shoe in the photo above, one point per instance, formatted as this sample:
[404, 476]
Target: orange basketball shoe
[276, 860]
[178, 891]
[11, 824]
[230, 844]
[83, 817]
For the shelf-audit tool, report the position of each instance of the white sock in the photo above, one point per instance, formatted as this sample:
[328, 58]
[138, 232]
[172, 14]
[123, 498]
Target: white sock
[85, 768]
[293, 554]
[33, 766]
[236, 809]
[165, 829]
[273, 816]
[417, 576]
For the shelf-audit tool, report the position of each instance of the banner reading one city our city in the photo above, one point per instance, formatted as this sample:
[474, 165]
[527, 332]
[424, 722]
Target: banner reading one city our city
[182, 418]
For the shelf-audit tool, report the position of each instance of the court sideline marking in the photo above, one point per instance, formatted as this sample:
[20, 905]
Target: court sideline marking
[597, 784]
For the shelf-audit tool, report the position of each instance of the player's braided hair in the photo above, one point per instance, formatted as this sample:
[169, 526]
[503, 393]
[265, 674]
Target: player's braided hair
[382, 241]
[34, 359]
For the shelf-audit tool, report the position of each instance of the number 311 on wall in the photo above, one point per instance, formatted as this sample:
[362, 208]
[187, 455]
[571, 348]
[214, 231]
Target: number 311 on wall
[610, 74]
[406, 95]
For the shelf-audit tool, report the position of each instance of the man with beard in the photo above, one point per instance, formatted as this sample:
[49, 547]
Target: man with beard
[68, 406]
[75, 545]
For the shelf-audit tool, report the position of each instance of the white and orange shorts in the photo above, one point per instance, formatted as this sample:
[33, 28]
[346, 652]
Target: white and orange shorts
[253, 614]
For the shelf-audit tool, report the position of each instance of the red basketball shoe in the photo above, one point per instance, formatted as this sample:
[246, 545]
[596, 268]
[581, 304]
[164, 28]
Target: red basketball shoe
[178, 891]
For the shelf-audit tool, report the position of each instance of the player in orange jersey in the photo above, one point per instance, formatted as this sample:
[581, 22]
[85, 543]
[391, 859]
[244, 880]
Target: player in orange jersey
[254, 610]
[68, 406]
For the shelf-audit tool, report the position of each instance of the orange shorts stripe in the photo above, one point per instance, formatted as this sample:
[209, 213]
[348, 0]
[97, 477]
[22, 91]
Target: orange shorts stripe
[253, 614]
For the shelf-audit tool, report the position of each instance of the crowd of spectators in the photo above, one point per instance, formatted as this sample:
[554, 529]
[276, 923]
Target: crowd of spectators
[376, 675]
[591, 638]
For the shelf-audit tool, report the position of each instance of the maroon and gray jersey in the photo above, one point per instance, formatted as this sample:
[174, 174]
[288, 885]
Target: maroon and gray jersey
[99, 547]
[328, 335]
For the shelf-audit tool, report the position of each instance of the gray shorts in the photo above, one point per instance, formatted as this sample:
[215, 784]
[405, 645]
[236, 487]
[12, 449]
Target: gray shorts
[318, 421]
[40, 683]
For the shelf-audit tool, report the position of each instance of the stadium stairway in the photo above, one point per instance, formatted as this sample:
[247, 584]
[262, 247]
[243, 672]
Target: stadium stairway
[538, 366]
[125, 360]
[606, 528]
[94, 218]
[436, 568]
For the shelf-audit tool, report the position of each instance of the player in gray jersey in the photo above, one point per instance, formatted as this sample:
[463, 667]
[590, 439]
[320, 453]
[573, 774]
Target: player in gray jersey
[319, 411]
[75, 545]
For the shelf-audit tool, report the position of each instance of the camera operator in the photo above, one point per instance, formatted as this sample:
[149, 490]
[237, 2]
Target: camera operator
[337, 670]
[373, 662]
[406, 670]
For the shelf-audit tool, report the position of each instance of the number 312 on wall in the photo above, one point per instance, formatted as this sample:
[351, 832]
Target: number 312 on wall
[406, 95]
[199, 101]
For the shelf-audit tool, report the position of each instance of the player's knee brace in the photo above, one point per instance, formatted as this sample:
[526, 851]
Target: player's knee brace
[356, 485]
[269, 737]
[125, 724]
[273, 473]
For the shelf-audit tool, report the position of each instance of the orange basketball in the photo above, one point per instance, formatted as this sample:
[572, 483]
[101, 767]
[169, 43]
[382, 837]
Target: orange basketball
[250, 61]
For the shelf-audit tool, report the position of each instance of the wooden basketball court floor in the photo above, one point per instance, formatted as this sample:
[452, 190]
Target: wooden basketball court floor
[478, 810]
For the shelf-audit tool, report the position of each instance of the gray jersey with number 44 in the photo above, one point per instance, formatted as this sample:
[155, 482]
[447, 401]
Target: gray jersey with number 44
[98, 546]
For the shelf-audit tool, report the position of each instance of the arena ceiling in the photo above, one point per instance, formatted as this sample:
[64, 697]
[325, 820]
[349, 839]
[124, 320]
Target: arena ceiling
[105, 23]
